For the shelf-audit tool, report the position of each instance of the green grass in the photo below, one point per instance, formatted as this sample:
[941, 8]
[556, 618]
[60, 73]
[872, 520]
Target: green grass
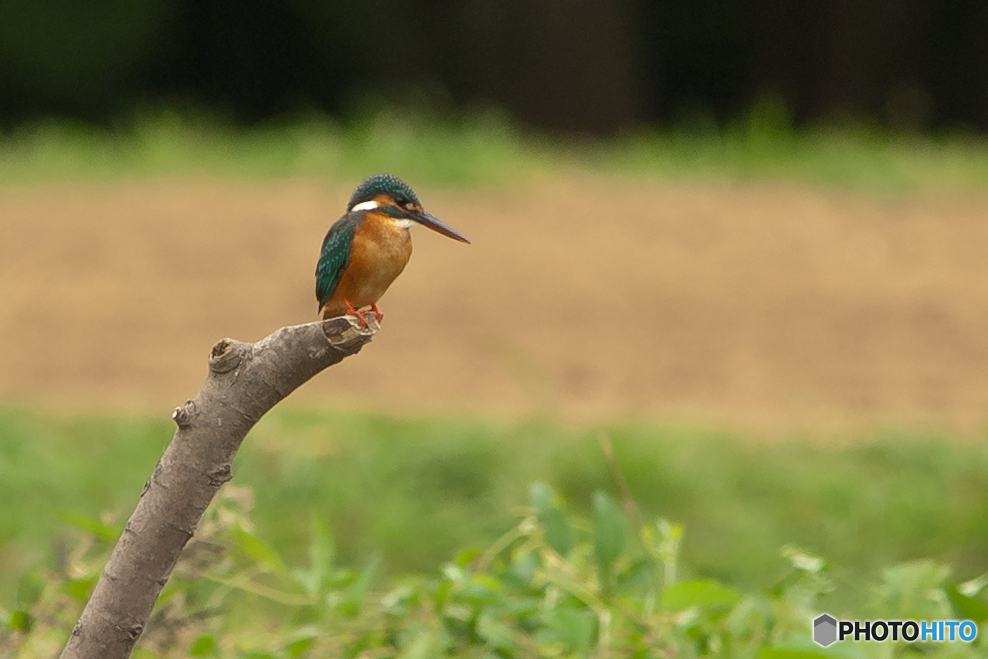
[477, 150]
[842, 153]
[487, 149]
[843, 158]
[377, 536]
[419, 490]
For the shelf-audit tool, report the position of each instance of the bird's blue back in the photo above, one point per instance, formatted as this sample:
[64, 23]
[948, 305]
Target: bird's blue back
[335, 256]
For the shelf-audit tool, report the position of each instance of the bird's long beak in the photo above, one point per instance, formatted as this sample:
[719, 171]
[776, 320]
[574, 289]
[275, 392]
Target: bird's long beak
[427, 219]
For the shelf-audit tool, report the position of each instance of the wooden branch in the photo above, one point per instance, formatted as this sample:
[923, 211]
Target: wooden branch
[245, 381]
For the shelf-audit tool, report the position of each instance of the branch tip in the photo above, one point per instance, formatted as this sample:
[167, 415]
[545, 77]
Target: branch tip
[346, 332]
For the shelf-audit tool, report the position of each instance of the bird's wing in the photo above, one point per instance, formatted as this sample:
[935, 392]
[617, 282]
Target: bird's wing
[334, 257]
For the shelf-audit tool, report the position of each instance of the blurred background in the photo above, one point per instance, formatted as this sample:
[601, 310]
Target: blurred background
[597, 66]
[744, 240]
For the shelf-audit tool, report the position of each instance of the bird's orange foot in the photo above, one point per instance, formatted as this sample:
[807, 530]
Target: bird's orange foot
[353, 312]
[377, 313]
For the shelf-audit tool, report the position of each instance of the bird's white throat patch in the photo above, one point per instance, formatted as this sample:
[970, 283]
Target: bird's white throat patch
[371, 205]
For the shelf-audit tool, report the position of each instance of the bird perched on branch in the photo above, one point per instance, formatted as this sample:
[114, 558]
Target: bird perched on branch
[369, 246]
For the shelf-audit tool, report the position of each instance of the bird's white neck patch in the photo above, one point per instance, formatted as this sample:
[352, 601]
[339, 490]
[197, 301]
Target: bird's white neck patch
[365, 206]
[405, 224]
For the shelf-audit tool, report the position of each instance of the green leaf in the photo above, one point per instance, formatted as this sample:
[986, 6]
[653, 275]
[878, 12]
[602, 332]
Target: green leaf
[687, 594]
[104, 532]
[425, 646]
[803, 560]
[203, 646]
[258, 551]
[637, 574]
[321, 556]
[353, 602]
[79, 589]
[609, 532]
[496, 634]
[524, 567]
[21, 621]
[972, 587]
[321, 550]
[29, 589]
[575, 629]
[558, 533]
[466, 556]
[480, 591]
[967, 608]
[401, 599]
[911, 591]
[300, 641]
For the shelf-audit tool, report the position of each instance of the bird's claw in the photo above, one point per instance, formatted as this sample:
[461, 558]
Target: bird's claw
[353, 312]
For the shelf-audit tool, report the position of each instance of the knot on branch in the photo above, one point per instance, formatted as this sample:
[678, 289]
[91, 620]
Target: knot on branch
[226, 356]
[182, 416]
[219, 476]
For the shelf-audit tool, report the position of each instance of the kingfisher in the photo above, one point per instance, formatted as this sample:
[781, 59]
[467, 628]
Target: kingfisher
[366, 249]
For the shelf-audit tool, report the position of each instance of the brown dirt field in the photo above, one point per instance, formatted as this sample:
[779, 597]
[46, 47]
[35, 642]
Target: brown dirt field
[760, 305]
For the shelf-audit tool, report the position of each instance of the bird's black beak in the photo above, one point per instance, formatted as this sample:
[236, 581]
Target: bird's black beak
[427, 219]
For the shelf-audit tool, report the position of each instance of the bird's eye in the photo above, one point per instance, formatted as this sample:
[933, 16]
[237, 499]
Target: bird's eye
[409, 205]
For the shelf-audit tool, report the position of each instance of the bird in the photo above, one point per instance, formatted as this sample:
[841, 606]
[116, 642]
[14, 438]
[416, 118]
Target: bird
[366, 249]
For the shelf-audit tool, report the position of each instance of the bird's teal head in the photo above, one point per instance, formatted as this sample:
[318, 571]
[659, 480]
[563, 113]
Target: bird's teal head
[383, 185]
[388, 195]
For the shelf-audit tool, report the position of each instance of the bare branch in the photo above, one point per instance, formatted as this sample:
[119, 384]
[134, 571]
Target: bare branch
[244, 382]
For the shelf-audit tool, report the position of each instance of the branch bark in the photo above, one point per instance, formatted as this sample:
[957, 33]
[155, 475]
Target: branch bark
[244, 382]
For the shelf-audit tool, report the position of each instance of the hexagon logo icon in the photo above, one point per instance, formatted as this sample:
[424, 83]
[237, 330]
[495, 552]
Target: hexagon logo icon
[825, 629]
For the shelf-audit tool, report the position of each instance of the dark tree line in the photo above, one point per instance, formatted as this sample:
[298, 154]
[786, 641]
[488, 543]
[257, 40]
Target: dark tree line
[568, 65]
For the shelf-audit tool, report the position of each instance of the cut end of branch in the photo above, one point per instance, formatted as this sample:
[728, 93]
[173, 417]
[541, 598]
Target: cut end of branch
[222, 347]
[226, 356]
[346, 332]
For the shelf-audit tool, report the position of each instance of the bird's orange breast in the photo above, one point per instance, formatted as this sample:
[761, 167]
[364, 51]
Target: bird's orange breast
[379, 253]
